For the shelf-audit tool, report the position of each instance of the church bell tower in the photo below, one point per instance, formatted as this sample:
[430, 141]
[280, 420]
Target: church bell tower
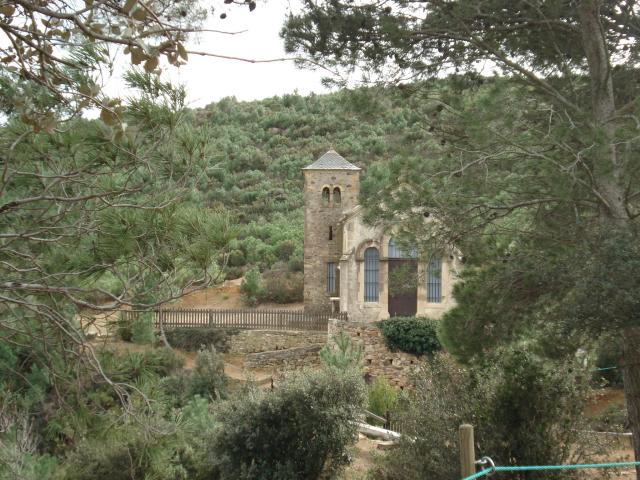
[331, 188]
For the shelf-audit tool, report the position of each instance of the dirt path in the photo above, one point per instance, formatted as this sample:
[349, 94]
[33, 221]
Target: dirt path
[363, 452]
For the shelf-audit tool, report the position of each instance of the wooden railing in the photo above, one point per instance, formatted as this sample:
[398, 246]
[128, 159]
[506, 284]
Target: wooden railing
[246, 319]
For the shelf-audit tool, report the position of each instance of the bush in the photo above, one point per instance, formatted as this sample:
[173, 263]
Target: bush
[208, 378]
[608, 357]
[123, 329]
[415, 335]
[236, 258]
[193, 339]
[382, 397]
[301, 430]
[526, 411]
[136, 366]
[295, 264]
[430, 418]
[285, 249]
[279, 285]
[142, 331]
[251, 287]
[231, 273]
[144, 448]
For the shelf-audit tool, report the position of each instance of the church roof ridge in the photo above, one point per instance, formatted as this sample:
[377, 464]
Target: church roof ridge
[331, 160]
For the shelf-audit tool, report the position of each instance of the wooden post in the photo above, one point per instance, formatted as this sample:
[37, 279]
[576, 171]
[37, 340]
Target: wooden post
[467, 451]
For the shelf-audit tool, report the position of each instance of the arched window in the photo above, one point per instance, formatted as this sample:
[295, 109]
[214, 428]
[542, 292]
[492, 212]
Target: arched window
[337, 196]
[434, 280]
[371, 274]
[330, 232]
[396, 252]
[326, 194]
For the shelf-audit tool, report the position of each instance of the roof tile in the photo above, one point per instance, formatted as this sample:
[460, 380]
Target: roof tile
[331, 160]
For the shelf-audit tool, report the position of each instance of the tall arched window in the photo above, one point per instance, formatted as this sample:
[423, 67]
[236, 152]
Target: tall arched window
[337, 196]
[434, 280]
[371, 274]
[326, 194]
[396, 252]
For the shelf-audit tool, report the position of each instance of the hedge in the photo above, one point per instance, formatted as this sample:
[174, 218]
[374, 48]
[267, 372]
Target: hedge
[415, 335]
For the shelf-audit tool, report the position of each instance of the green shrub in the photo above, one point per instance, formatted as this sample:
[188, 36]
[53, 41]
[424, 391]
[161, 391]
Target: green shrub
[279, 285]
[526, 410]
[382, 397]
[231, 273]
[123, 329]
[415, 335]
[342, 354]
[208, 378]
[251, 287]
[608, 357]
[144, 448]
[142, 331]
[236, 258]
[295, 264]
[137, 366]
[193, 339]
[285, 249]
[176, 389]
[301, 430]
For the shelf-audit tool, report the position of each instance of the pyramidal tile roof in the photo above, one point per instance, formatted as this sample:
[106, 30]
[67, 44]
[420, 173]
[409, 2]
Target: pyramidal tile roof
[331, 160]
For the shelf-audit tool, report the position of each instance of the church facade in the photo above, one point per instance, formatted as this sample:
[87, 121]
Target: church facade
[359, 269]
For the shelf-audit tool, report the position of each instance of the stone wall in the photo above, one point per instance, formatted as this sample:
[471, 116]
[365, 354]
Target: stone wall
[396, 367]
[252, 341]
[282, 360]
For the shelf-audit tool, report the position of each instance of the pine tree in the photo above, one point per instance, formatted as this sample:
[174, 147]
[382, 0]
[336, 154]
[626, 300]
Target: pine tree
[534, 176]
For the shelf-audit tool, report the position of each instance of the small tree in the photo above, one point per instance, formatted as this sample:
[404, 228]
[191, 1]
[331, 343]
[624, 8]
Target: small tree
[344, 354]
[382, 396]
[208, 378]
[251, 287]
[301, 430]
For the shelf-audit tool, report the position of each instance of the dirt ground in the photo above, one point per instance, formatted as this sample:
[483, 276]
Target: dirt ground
[226, 295]
[362, 453]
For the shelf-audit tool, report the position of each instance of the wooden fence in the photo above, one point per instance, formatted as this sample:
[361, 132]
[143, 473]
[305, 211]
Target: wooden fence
[246, 319]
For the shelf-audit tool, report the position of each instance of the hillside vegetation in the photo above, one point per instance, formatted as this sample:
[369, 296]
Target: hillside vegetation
[257, 150]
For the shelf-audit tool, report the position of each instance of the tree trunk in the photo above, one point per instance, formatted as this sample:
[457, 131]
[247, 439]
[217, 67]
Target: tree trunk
[607, 173]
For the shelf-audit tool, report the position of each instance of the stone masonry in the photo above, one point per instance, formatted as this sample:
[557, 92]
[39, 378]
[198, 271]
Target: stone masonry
[321, 217]
[281, 361]
[253, 341]
[396, 367]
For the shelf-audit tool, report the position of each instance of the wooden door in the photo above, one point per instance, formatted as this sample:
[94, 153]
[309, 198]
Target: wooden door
[403, 287]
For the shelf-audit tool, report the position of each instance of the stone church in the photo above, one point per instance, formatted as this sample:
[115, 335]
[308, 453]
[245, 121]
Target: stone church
[357, 268]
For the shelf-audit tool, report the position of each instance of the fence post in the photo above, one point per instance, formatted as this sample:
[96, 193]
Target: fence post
[467, 451]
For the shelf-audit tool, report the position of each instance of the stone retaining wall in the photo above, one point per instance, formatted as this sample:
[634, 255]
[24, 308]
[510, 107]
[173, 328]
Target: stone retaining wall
[378, 360]
[289, 359]
[252, 341]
